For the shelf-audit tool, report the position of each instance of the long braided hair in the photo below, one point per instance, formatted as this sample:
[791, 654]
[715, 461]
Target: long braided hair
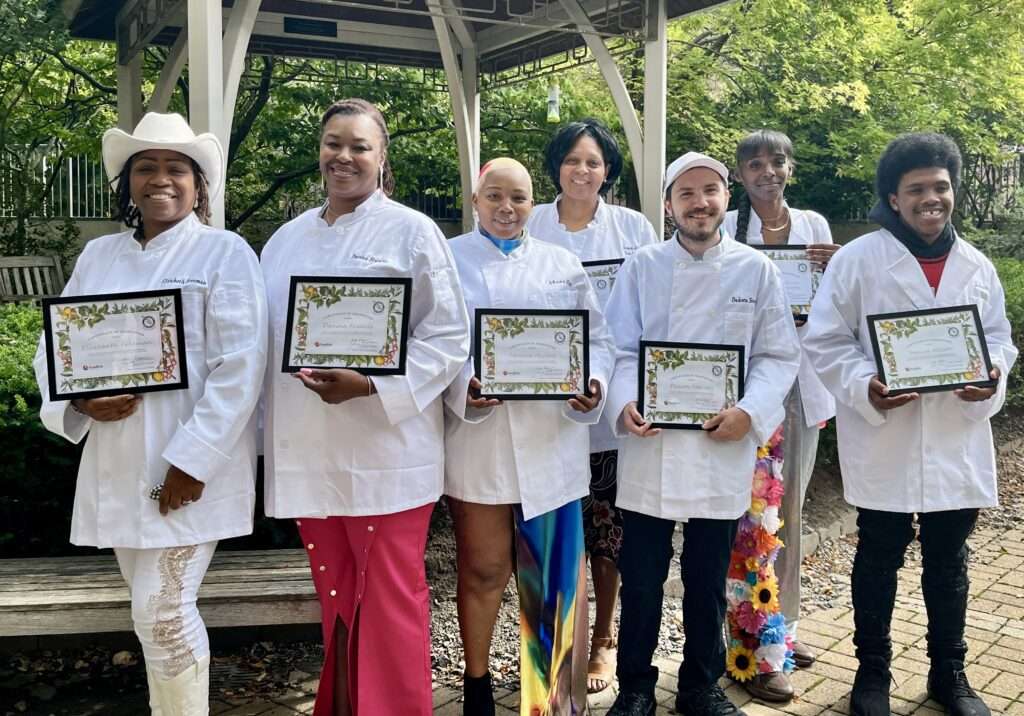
[355, 105]
[763, 140]
[128, 213]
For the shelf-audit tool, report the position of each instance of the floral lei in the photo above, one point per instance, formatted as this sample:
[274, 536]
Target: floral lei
[758, 640]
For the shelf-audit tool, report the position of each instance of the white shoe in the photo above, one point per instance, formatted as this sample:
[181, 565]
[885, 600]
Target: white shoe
[187, 694]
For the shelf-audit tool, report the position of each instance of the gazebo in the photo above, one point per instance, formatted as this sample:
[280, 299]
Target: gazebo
[476, 43]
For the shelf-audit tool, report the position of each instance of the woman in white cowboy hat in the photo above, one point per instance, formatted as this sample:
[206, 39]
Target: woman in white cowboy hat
[162, 479]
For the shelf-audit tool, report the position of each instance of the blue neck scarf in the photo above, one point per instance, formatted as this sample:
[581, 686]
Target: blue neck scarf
[505, 246]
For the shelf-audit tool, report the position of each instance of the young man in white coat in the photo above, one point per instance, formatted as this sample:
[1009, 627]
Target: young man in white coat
[699, 287]
[924, 454]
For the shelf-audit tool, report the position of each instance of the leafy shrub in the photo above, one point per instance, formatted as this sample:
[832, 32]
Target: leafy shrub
[37, 469]
[1011, 274]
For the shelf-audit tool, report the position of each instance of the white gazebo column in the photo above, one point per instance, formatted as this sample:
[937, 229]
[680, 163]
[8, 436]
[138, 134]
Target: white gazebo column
[206, 79]
[655, 105]
[236, 42]
[616, 85]
[170, 73]
[129, 93]
[463, 93]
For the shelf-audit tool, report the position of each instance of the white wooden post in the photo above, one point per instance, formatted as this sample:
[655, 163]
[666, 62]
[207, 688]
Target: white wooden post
[129, 93]
[236, 42]
[206, 79]
[170, 73]
[655, 105]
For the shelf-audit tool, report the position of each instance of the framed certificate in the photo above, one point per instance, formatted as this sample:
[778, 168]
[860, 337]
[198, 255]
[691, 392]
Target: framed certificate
[109, 344]
[800, 275]
[602, 277]
[523, 354]
[347, 322]
[930, 350]
[684, 384]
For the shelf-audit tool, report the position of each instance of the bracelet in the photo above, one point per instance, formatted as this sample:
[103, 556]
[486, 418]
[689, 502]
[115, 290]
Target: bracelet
[77, 409]
[369, 386]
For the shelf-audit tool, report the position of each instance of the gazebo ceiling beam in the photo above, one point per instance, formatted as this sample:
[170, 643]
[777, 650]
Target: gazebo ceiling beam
[271, 24]
[139, 21]
[504, 34]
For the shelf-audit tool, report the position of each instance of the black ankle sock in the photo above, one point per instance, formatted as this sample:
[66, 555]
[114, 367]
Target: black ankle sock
[478, 696]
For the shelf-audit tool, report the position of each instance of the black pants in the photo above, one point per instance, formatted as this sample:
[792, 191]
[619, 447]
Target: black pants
[643, 563]
[883, 539]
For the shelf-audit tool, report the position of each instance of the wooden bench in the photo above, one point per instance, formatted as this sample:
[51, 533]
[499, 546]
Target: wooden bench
[76, 595]
[29, 278]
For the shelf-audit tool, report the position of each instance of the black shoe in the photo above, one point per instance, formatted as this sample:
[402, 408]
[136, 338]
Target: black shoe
[711, 701]
[477, 695]
[947, 684]
[870, 694]
[633, 703]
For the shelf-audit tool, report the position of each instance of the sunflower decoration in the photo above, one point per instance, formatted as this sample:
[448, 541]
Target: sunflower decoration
[765, 595]
[740, 663]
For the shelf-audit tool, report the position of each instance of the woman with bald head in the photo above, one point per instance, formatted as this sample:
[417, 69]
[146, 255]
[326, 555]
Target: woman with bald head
[515, 471]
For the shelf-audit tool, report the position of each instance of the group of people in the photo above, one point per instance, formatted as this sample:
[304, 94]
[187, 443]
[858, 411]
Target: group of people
[359, 461]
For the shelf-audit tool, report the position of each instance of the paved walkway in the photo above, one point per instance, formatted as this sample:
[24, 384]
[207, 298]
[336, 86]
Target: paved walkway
[995, 633]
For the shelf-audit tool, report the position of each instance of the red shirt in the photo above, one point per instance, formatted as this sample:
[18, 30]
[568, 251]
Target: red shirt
[933, 270]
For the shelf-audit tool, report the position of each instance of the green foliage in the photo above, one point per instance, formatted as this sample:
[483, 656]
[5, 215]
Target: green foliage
[37, 473]
[1011, 275]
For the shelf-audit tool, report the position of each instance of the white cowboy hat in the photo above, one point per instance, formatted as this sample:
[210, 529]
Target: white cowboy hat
[692, 160]
[165, 131]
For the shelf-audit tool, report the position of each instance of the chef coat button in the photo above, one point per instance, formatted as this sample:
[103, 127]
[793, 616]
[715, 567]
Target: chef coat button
[309, 546]
[323, 568]
[334, 592]
[370, 528]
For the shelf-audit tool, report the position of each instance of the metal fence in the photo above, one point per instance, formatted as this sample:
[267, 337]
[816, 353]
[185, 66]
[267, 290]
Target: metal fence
[77, 189]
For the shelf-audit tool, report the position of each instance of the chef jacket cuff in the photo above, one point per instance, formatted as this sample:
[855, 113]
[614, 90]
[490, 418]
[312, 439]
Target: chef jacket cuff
[978, 411]
[396, 397]
[763, 427]
[862, 403]
[619, 396]
[193, 455]
[594, 416]
[61, 418]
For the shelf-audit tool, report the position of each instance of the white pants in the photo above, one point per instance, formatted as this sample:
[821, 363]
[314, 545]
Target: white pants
[164, 584]
[800, 447]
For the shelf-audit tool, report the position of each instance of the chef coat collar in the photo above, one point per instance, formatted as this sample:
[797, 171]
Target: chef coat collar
[164, 239]
[712, 254]
[369, 205]
[599, 216]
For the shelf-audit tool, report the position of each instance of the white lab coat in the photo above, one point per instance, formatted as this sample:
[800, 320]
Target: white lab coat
[935, 453]
[733, 295]
[208, 429]
[529, 452]
[615, 232]
[807, 228]
[383, 453]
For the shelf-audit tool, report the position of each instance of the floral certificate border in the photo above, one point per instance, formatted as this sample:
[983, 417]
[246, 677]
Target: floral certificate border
[794, 252]
[665, 354]
[328, 290]
[493, 323]
[603, 270]
[61, 313]
[966, 322]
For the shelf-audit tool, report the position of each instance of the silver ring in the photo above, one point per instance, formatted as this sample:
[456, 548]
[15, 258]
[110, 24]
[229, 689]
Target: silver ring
[186, 502]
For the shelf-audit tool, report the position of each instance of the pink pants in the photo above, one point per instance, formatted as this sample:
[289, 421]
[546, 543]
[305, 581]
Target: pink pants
[369, 573]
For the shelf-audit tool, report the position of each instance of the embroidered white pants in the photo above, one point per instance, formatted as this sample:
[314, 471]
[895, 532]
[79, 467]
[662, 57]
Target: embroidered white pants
[164, 584]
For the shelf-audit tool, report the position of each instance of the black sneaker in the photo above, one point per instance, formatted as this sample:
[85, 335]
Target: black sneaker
[947, 684]
[633, 703]
[870, 694]
[711, 701]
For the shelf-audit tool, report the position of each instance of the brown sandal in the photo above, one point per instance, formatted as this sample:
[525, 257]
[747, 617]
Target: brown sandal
[599, 670]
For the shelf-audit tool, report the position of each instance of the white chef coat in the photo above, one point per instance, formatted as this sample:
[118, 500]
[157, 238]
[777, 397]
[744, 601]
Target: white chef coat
[383, 453]
[731, 295]
[807, 227]
[932, 454]
[615, 232]
[529, 452]
[208, 429]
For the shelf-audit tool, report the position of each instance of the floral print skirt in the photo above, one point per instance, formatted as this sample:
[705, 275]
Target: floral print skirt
[602, 521]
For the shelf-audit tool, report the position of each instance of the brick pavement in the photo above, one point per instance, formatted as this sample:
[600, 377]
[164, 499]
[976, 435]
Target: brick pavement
[995, 632]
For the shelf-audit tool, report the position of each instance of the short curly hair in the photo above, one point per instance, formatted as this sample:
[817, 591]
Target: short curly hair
[565, 139]
[917, 150]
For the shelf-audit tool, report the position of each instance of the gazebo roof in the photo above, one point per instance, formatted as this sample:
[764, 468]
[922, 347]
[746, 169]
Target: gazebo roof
[521, 37]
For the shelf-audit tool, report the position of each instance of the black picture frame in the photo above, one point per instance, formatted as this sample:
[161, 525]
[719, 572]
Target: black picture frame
[797, 315]
[403, 337]
[875, 318]
[478, 318]
[683, 345]
[48, 339]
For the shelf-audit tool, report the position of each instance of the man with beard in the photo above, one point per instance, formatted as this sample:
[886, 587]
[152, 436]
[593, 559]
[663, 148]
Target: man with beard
[924, 454]
[699, 287]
